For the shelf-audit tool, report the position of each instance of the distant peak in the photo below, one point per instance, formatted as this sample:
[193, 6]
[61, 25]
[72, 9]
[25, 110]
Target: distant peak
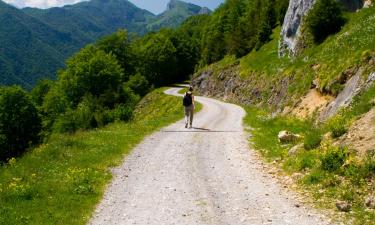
[204, 10]
[174, 3]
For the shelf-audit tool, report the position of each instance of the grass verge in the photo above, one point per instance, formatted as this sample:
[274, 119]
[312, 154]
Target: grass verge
[325, 172]
[61, 181]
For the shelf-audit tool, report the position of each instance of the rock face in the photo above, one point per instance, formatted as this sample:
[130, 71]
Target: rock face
[291, 28]
[292, 23]
[353, 87]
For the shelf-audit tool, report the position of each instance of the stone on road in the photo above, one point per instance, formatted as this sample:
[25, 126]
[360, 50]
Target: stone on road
[205, 175]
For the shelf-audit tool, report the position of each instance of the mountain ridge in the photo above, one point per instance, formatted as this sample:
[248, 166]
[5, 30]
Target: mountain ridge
[43, 38]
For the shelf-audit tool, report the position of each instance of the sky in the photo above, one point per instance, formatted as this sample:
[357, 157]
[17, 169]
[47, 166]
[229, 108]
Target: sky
[154, 6]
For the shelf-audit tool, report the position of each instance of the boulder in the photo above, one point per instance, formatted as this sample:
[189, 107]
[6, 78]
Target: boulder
[343, 206]
[367, 3]
[287, 136]
[370, 202]
[295, 149]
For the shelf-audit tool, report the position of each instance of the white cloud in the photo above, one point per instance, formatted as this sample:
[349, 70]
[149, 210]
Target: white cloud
[41, 3]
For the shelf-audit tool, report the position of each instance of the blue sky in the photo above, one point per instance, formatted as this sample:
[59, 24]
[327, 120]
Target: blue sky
[155, 6]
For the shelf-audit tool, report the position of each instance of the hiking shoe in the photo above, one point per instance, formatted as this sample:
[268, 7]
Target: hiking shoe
[186, 125]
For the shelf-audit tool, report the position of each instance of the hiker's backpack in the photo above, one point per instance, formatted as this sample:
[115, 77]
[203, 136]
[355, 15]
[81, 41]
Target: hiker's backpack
[188, 99]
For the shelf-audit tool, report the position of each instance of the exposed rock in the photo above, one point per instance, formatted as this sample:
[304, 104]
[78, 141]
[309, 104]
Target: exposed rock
[313, 102]
[204, 10]
[291, 28]
[292, 23]
[361, 135]
[229, 85]
[287, 136]
[370, 80]
[367, 4]
[351, 89]
[327, 137]
[295, 149]
[343, 206]
[370, 202]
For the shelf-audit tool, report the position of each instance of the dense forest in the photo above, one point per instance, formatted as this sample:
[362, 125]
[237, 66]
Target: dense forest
[103, 81]
[39, 40]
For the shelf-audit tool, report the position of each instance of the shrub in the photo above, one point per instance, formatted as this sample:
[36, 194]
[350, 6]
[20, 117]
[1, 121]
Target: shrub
[324, 18]
[65, 123]
[312, 140]
[20, 123]
[123, 112]
[337, 125]
[334, 158]
[138, 84]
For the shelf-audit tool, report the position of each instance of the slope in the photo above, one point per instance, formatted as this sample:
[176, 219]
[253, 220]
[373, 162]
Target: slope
[28, 47]
[177, 12]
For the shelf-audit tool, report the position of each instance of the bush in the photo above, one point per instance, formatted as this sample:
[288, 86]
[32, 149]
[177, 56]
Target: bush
[324, 18]
[20, 123]
[312, 140]
[334, 158]
[337, 125]
[138, 84]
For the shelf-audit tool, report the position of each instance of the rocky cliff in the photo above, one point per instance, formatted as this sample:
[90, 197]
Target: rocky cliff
[291, 28]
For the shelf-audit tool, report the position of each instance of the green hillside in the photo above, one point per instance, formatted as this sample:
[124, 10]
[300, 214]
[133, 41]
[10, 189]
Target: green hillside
[25, 44]
[40, 40]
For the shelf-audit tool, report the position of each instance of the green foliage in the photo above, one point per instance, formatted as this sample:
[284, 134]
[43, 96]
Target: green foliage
[312, 140]
[139, 84]
[40, 91]
[20, 123]
[334, 158]
[337, 125]
[118, 45]
[157, 56]
[90, 71]
[325, 18]
[239, 26]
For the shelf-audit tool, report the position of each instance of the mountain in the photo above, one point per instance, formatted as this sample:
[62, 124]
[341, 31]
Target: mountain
[25, 43]
[177, 12]
[39, 40]
[87, 21]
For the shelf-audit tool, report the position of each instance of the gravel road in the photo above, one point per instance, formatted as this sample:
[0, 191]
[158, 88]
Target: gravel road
[206, 175]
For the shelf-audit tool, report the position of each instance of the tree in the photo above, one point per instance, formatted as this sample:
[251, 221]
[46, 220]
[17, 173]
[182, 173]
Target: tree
[267, 21]
[40, 91]
[118, 45]
[158, 60]
[90, 71]
[20, 123]
[324, 18]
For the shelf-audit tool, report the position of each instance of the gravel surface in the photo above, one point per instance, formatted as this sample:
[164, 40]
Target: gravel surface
[204, 175]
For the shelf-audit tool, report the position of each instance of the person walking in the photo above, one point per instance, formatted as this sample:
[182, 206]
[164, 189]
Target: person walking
[189, 105]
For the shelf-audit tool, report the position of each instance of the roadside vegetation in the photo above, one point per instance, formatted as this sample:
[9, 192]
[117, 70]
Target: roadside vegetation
[61, 181]
[323, 169]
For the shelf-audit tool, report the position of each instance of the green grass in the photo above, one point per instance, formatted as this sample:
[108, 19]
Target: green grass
[328, 173]
[61, 181]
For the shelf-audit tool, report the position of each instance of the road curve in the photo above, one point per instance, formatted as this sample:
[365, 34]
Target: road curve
[201, 176]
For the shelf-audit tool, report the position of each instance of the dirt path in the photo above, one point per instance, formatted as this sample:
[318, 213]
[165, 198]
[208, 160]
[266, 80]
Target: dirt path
[206, 175]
